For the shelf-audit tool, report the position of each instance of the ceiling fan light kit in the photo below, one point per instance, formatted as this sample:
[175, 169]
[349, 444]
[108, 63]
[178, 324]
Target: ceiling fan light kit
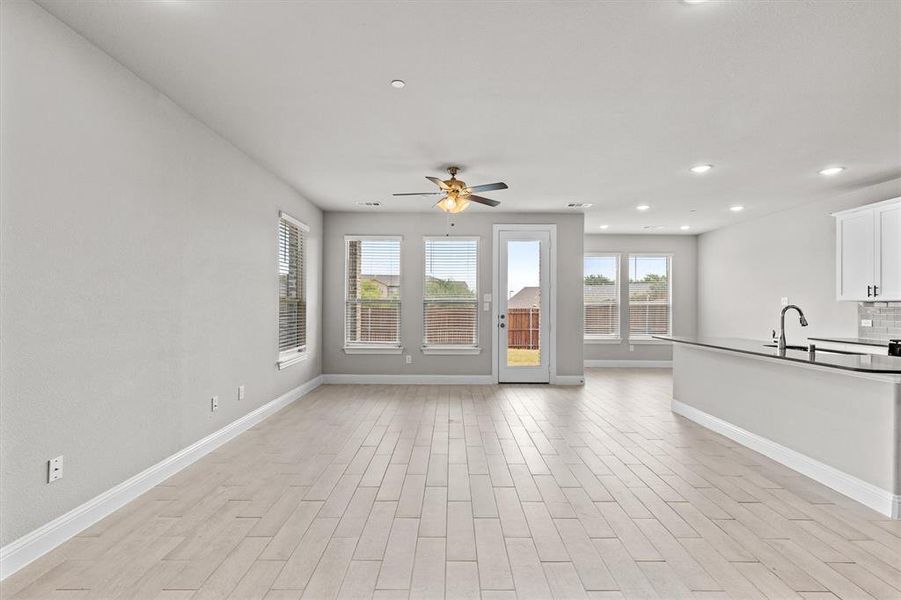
[456, 194]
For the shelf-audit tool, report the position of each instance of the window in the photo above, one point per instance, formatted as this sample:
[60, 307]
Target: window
[650, 296]
[601, 296]
[292, 291]
[450, 296]
[372, 293]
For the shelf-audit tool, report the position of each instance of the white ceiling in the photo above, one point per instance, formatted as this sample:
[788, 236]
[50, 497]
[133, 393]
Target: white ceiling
[601, 102]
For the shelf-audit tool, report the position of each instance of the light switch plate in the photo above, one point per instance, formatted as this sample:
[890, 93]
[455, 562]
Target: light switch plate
[866, 322]
[214, 403]
[240, 392]
[784, 300]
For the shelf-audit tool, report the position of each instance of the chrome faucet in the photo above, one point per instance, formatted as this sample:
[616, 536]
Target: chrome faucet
[782, 324]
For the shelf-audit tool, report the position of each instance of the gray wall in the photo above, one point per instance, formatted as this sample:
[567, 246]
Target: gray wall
[744, 270]
[684, 266]
[413, 226]
[138, 273]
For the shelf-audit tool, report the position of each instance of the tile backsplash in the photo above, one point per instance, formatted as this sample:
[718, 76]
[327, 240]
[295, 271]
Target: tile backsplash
[886, 317]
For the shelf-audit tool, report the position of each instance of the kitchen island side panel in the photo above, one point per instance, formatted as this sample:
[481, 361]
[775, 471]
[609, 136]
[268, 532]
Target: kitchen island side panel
[844, 420]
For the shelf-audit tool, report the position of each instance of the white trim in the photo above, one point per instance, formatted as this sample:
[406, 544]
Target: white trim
[360, 238]
[599, 340]
[282, 214]
[866, 493]
[373, 349]
[35, 544]
[358, 378]
[292, 358]
[450, 350]
[639, 341]
[567, 380]
[636, 364]
[866, 207]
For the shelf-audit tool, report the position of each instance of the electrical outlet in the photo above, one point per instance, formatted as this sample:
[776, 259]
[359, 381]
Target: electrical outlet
[54, 469]
[631, 348]
[866, 322]
[240, 392]
[214, 403]
[409, 359]
[784, 300]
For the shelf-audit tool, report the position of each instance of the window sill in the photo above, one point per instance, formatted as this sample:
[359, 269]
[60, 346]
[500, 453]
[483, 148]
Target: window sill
[293, 359]
[451, 350]
[604, 340]
[373, 349]
[649, 341]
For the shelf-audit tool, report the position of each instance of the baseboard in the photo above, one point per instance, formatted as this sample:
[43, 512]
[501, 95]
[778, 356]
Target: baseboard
[355, 378]
[31, 546]
[567, 380]
[880, 500]
[638, 364]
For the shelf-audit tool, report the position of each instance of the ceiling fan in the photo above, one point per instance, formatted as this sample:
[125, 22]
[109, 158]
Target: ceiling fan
[456, 194]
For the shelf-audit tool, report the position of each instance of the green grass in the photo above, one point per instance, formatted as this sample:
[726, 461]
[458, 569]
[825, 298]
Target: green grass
[520, 357]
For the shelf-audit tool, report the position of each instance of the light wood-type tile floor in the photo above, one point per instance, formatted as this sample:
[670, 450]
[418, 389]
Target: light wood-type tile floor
[498, 492]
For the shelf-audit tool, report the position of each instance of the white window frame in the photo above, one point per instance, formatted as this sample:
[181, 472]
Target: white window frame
[378, 347]
[294, 355]
[618, 336]
[451, 348]
[649, 339]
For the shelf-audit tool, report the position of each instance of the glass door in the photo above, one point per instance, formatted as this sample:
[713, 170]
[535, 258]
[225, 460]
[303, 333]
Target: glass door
[523, 303]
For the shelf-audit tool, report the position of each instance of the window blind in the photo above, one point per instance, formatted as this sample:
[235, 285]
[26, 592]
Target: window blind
[292, 293]
[450, 298]
[372, 291]
[650, 302]
[601, 296]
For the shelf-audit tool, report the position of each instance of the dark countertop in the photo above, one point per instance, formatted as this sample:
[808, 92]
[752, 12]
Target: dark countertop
[861, 341]
[862, 363]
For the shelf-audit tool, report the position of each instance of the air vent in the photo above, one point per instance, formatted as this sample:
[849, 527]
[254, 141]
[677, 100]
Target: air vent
[370, 204]
[652, 227]
[579, 205]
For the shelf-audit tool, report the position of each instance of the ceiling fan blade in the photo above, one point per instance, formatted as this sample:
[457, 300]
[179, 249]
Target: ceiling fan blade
[419, 194]
[485, 201]
[487, 187]
[438, 182]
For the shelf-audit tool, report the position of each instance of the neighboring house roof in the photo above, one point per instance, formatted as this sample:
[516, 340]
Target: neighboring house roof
[600, 292]
[527, 297]
[385, 280]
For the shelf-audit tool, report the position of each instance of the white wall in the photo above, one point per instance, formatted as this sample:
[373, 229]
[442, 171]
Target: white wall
[684, 274]
[138, 273]
[744, 270]
[413, 226]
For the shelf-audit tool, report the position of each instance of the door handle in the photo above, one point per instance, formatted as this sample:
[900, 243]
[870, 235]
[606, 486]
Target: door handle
[869, 287]
[502, 325]
[875, 290]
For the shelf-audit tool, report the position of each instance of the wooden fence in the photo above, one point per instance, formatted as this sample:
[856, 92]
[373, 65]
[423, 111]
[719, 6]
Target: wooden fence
[523, 328]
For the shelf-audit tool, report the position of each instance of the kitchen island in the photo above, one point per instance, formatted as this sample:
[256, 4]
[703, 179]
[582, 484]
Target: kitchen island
[833, 417]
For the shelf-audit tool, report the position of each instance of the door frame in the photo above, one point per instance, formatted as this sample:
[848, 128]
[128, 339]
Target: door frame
[551, 228]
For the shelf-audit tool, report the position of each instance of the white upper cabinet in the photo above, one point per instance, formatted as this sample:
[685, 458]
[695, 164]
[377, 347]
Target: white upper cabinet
[888, 251]
[868, 252]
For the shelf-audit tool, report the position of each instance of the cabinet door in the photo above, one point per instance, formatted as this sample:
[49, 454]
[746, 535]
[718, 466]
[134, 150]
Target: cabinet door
[888, 252]
[856, 255]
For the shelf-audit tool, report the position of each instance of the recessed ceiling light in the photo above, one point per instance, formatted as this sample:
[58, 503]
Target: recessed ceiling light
[700, 168]
[642, 207]
[685, 227]
[831, 171]
[736, 208]
[398, 83]
[604, 226]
